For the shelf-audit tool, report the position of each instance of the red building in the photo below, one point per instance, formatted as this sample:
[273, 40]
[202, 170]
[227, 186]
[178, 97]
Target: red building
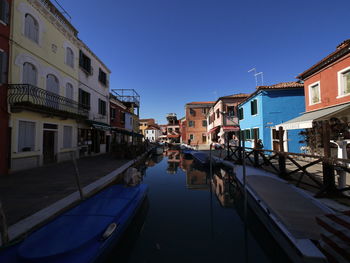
[4, 115]
[117, 119]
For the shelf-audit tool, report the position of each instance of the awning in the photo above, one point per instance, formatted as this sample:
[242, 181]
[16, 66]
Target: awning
[213, 130]
[230, 128]
[305, 121]
[99, 125]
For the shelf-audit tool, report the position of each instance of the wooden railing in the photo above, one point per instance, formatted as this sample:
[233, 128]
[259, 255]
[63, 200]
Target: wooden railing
[313, 171]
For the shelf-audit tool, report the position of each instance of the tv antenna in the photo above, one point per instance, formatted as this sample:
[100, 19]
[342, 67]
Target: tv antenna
[257, 75]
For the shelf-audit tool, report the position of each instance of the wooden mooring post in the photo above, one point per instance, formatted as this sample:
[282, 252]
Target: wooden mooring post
[77, 176]
[3, 226]
[281, 157]
[256, 154]
[240, 143]
[329, 187]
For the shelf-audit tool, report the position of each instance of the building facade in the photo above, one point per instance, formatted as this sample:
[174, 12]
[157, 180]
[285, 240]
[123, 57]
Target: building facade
[196, 128]
[265, 108]
[94, 134]
[222, 119]
[5, 131]
[144, 123]
[327, 98]
[44, 67]
[152, 133]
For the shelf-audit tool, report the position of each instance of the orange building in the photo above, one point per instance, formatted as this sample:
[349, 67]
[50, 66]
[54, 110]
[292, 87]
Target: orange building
[196, 122]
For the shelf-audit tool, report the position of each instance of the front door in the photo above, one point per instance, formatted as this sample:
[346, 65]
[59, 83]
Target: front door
[48, 147]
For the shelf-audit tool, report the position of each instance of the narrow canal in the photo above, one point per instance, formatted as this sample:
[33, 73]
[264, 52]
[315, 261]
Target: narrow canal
[192, 217]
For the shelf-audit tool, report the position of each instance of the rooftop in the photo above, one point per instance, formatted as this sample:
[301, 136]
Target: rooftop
[342, 50]
[200, 102]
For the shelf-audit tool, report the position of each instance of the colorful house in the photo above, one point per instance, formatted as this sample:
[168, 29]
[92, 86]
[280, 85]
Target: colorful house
[267, 107]
[327, 98]
[222, 118]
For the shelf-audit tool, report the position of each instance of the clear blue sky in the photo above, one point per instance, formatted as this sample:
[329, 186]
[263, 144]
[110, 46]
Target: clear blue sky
[176, 51]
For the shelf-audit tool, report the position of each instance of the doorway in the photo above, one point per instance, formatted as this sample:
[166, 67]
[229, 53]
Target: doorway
[49, 147]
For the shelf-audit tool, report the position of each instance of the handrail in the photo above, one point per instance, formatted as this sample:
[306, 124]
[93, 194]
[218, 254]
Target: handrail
[43, 100]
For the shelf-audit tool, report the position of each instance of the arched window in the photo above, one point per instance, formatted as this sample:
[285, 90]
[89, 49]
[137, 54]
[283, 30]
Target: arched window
[69, 57]
[52, 84]
[29, 74]
[31, 28]
[69, 91]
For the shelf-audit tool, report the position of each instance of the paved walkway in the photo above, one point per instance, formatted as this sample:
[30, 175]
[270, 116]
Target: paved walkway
[26, 192]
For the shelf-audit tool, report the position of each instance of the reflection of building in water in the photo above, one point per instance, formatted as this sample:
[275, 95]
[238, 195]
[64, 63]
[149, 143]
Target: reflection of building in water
[154, 160]
[221, 184]
[196, 179]
[173, 160]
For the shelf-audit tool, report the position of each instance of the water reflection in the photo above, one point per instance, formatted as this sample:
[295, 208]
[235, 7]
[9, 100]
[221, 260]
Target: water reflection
[222, 185]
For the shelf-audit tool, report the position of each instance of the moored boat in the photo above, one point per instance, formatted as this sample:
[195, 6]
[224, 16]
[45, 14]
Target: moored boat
[84, 233]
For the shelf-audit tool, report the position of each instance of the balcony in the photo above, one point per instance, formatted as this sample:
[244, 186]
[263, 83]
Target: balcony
[28, 97]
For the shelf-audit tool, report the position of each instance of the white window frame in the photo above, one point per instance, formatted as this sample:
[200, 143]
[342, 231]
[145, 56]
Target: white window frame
[341, 83]
[67, 60]
[319, 91]
[35, 135]
[38, 29]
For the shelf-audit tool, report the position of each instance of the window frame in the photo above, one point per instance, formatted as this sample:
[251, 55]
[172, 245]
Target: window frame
[65, 136]
[81, 99]
[21, 136]
[341, 82]
[85, 60]
[36, 23]
[36, 74]
[67, 58]
[102, 77]
[319, 91]
[240, 114]
[254, 105]
[102, 107]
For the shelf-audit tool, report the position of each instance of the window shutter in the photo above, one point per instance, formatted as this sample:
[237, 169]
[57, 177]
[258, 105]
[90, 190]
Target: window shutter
[4, 67]
[1, 65]
[7, 12]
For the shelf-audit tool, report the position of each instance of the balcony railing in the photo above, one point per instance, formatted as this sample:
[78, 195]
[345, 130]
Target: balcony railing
[27, 96]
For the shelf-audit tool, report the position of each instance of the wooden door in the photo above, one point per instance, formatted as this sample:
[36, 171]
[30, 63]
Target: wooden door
[48, 147]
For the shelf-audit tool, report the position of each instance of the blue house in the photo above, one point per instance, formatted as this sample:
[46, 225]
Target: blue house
[269, 106]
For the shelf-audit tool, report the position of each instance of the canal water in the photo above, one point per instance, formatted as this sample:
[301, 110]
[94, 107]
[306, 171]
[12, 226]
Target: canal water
[190, 216]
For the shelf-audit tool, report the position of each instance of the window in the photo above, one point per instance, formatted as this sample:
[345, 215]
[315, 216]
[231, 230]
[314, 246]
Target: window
[113, 113]
[314, 93]
[85, 62]
[52, 84]
[69, 57]
[101, 107]
[247, 134]
[122, 117]
[217, 114]
[191, 124]
[102, 77]
[26, 136]
[254, 131]
[254, 107]
[84, 99]
[29, 74]
[3, 67]
[240, 114]
[205, 110]
[69, 91]
[31, 28]
[204, 138]
[192, 112]
[231, 111]
[191, 137]
[67, 136]
[204, 123]
[4, 11]
[344, 82]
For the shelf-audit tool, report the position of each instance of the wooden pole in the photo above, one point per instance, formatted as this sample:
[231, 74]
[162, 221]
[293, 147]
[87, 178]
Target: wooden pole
[239, 161]
[256, 154]
[328, 170]
[281, 157]
[3, 226]
[77, 179]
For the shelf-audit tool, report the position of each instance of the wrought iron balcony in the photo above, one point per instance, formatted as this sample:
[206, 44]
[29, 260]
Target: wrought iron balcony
[25, 96]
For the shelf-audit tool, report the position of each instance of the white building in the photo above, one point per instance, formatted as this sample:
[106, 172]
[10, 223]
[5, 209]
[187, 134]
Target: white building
[152, 133]
[94, 134]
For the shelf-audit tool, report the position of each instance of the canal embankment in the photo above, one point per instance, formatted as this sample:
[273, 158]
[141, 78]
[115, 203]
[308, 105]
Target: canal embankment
[32, 197]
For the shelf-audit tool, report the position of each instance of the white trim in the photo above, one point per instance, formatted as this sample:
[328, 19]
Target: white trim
[319, 89]
[36, 149]
[341, 83]
[23, 58]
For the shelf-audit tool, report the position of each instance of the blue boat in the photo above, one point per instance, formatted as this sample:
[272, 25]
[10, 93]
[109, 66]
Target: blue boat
[85, 233]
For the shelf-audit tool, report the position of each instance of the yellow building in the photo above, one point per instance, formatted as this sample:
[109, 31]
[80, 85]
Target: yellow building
[43, 94]
[144, 123]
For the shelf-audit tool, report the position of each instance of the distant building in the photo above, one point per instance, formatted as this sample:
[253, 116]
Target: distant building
[117, 120]
[173, 129]
[222, 118]
[182, 123]
[327, 96]
[196, 122]
[144, 123]
[152, 133]
[267, 107]
[4, 114]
